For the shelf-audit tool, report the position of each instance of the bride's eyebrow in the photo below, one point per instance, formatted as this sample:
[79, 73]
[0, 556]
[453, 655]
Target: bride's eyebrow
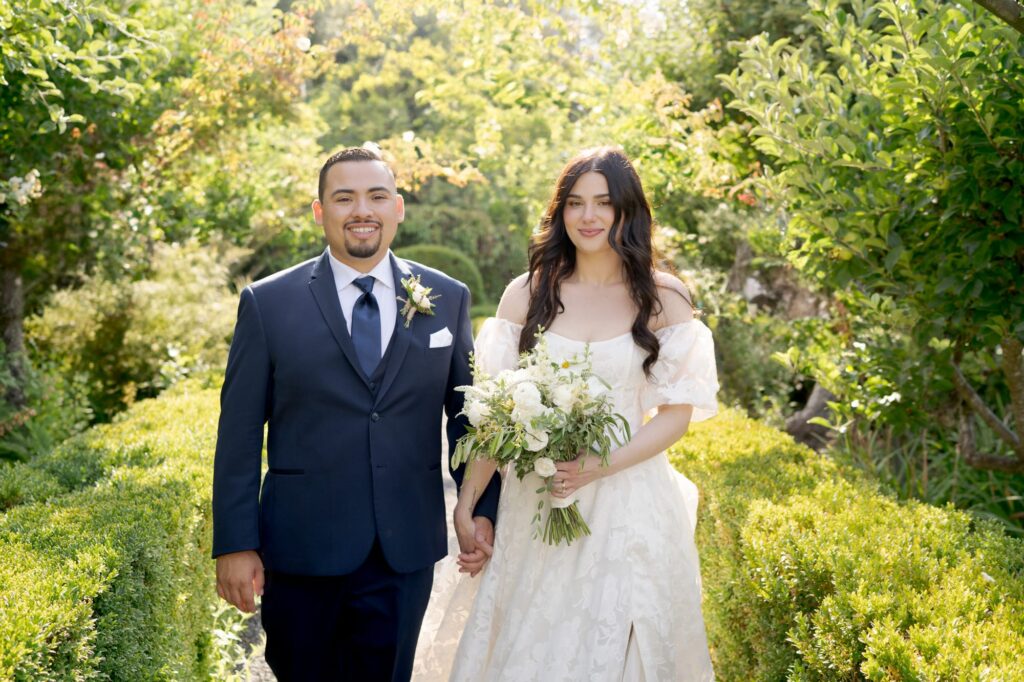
[596, 196]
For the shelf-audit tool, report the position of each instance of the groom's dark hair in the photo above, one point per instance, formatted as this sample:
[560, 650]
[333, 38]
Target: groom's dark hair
[350, 154]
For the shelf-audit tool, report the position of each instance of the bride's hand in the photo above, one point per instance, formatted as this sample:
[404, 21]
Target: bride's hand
[476, 540]
[571, 476]
[465, 530]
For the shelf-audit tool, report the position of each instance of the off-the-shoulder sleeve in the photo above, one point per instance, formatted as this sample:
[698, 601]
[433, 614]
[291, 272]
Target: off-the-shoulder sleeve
[497, 345]
[685, 373]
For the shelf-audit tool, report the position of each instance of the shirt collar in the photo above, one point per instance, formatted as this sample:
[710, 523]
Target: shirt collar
[344, 275]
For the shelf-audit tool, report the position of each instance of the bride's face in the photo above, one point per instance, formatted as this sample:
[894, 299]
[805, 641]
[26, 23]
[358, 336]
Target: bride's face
[589, 214]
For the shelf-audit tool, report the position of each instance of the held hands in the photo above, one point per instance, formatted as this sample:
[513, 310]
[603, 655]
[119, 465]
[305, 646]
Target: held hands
[571, 476]
[476, 540]
[239, 577]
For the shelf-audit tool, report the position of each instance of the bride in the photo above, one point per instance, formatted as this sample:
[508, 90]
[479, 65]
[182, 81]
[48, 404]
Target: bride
[624, 602]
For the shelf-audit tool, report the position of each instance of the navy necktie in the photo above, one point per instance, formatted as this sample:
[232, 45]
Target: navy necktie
[366, 326]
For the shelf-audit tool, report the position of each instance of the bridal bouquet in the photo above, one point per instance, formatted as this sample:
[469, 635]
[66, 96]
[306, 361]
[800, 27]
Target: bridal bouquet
[539, 414]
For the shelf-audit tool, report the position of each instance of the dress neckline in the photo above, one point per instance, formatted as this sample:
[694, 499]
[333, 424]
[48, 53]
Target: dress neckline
[614, 338]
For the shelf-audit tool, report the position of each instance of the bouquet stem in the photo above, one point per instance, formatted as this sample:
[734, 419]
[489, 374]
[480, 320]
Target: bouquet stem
[565, 523]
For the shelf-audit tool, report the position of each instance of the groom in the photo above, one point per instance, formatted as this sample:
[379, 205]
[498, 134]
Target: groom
[342, 537]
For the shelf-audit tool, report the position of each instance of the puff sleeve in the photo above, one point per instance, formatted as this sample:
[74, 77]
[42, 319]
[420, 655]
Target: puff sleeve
[497, 345]
[685, 372]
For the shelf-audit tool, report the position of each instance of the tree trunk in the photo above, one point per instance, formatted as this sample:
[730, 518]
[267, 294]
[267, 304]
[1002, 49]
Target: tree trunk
[12, 308]
[814, 435]
[1009, 11]
[973, 404]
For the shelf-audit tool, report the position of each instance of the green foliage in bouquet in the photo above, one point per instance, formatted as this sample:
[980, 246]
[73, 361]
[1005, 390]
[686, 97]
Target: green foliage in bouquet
[544, 412]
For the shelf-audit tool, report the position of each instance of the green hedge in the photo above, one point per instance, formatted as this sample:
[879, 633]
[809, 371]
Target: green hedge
[811, 573]
[451, 262]
[106, 571]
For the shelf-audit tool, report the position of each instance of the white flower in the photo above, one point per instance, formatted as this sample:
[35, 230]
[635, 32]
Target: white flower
[564, 397]
[408, 136]
[477, 411]
[303, 43]
[596, 388]
[528, 405]
[519, 376]
[893, 397]
[536, 440]
[544, 467]
[420, 298]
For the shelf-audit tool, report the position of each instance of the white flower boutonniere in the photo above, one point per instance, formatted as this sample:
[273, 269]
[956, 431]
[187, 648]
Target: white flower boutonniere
[419, 299]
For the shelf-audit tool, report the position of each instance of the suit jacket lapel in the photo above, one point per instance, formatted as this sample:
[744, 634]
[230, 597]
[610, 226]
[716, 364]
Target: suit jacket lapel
[324, 290]
[402, 336]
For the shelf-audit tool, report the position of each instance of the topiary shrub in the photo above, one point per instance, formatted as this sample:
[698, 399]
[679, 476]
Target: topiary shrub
[451, 262]
[113, 580]
[811, 573]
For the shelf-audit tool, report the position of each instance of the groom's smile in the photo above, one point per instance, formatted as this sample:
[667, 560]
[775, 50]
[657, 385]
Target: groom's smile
[359, 211]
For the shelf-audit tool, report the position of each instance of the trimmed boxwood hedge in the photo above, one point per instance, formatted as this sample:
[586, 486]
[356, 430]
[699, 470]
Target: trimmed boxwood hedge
[451, 262]
[106, 571]
[811, 573]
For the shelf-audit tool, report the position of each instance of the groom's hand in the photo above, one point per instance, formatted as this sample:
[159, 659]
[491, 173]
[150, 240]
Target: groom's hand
[473, 562]
[239, 577]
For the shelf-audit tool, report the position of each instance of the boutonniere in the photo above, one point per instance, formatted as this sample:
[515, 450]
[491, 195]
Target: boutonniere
[419, 299]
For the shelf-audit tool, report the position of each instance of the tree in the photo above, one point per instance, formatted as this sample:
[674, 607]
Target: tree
[901, 169]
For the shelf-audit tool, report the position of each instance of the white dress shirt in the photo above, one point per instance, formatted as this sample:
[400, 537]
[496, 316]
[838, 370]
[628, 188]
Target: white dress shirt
[383, 290]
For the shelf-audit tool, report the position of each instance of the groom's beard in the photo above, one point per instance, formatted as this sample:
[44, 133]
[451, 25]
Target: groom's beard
[361, 248]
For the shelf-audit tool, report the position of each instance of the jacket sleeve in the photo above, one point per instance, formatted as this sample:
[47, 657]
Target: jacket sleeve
[460, 374]
[244, 403]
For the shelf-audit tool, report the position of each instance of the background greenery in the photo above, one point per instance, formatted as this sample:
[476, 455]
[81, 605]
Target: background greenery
[841, 183]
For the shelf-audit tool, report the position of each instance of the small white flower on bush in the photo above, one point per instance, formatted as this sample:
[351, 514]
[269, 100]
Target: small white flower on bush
[893, 397]
[22, 190]
[544, 467]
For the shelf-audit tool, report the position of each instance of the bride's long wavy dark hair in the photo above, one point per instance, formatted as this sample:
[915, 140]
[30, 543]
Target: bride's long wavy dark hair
[553, 255]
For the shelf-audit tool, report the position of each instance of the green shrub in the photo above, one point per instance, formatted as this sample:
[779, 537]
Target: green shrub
[113, 580]
[55, 408]
[810, 573]
[132, 339]
[451, 262]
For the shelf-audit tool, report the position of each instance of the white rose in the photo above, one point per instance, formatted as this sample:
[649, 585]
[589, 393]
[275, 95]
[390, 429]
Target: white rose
[536, 440]
[544, 467]
[420, 298]
[528, 405]
[563, 397]
[477, 411]
[520, 375]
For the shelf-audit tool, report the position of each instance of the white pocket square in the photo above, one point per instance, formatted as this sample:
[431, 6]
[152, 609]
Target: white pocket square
[441, 338]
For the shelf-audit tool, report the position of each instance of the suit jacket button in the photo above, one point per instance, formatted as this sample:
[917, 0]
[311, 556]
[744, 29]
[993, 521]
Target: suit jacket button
[375, 417]
[373, 385]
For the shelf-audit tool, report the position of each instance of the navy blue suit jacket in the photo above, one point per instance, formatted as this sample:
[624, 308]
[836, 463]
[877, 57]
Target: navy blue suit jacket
[349, 460]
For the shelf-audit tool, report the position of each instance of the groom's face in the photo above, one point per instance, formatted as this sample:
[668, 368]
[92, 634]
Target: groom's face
[360, 212]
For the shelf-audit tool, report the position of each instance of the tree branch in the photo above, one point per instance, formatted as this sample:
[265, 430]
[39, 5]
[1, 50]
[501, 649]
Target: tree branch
[972, 402]
[1009, 11]
[968, 450]
[1013, 368]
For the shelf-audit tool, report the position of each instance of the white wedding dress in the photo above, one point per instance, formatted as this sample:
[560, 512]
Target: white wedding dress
[621, 604]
